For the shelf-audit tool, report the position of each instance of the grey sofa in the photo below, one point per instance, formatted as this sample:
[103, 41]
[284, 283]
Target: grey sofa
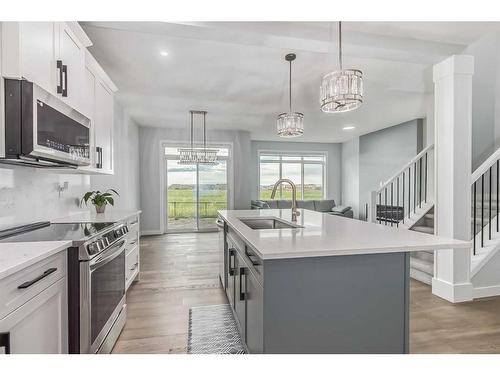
[324, 205]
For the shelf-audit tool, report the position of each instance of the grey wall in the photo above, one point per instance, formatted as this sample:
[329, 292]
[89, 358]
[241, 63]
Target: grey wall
[485, 96]
[350, 175]
[29, 194]
[383, 153]
[333, 151]
[149, 150]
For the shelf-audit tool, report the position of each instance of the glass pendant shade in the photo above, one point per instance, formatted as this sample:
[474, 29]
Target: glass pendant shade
[290, 124]
[341, 90]
[198, 155]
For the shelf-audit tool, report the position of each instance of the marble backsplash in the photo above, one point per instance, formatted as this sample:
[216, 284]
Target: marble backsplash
[29, 195]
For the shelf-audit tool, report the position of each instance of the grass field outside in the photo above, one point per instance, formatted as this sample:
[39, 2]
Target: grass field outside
[182, 202]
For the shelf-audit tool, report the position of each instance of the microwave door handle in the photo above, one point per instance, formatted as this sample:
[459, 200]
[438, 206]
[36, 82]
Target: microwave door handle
[59, 65]
[65, 76]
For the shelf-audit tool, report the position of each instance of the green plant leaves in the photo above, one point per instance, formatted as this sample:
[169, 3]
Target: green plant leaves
[99, 199]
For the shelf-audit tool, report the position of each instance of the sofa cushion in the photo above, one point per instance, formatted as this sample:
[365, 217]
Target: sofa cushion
[272, 203]
[325, 205]
[341, 209]
[257, 204]
[308, 205]
[284, 204]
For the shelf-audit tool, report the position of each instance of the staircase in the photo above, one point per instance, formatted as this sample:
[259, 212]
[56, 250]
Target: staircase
[485, 228]
[422, 262]
[406, 201]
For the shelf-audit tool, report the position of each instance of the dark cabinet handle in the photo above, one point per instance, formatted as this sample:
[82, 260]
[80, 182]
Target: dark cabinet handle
[27, 284]
[231, 268]
[5, 342]
[242, 293]
[60, 71]
[65, 86]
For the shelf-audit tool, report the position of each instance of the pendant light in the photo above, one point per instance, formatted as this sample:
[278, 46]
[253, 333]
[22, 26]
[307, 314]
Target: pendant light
[290, 124]
[198, 155]
[341, 90]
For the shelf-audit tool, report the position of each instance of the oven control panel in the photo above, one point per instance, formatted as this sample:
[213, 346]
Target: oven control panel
[101, 243]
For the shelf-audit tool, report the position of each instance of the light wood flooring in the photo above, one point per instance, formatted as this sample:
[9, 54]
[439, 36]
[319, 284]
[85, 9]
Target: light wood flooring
[180, 270]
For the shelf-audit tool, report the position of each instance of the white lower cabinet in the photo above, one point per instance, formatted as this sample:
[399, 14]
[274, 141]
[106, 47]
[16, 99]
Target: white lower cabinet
[38, 326]
[132, 252]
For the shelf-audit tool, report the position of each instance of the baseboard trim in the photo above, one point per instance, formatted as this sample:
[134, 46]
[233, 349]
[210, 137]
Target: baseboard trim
[486, 291]
[150, 232]
[454, 293]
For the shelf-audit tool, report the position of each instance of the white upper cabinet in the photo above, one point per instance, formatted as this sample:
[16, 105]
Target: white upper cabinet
[72, 58]
[49, 54]
[29, 51]
[104, 125]
[54, 56]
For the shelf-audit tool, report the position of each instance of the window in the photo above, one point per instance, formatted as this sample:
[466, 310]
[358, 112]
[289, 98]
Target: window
[306, 170]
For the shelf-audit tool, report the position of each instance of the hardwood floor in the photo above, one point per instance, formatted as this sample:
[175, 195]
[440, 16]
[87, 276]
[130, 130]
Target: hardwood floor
[180, 270]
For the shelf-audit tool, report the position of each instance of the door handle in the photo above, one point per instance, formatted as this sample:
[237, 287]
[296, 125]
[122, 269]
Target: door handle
[5, 343]
[27, 284]
[65, 76]
[231, 269]
[98, 151]
[242, 294]
[59, 66]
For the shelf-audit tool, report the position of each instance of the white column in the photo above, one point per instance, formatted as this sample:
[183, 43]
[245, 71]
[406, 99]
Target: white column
[453, 128]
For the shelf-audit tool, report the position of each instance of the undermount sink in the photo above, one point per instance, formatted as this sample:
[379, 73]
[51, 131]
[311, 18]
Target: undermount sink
[268, 223]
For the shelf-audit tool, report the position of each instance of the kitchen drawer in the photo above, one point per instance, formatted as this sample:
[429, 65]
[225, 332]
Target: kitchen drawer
[131, 266]
[12, 297]
[133, 224]
[131, 244]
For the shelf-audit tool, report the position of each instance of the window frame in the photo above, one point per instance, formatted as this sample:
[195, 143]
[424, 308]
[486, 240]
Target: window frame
[302, 162]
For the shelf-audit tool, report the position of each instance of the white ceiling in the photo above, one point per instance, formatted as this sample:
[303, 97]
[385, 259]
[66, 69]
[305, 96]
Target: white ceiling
[237, 72]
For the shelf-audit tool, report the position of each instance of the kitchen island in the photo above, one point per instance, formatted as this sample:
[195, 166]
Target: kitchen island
[325, 284]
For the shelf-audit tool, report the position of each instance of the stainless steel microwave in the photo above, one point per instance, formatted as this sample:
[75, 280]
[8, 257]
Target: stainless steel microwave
[41, 130]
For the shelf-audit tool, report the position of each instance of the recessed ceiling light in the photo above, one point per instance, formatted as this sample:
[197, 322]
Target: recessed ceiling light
[348, 127]
[164, 53]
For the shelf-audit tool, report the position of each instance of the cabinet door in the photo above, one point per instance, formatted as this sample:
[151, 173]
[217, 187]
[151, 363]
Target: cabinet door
[72, 55]
[239, 296]
[40, 325]
[29, 52]
[254, 296]
[104, 124]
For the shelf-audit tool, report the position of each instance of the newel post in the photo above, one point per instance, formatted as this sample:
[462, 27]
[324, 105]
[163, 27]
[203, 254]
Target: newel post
[453, 155]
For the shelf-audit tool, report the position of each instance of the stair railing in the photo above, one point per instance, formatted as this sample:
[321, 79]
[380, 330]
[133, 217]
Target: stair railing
[399, 197]
[485, 180]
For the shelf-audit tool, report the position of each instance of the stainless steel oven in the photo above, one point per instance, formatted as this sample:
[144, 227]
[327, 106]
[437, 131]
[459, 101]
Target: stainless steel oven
[41, 129]
[97, 309]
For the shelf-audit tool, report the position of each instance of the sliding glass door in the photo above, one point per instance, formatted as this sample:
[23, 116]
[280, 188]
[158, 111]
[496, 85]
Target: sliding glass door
[195, 192]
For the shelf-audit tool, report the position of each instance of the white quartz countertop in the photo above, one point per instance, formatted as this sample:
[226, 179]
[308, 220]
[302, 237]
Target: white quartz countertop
[110, 216]
[329, 235]
[19, 255]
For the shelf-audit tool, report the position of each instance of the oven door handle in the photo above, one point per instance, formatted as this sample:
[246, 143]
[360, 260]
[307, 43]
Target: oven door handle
[108, 255]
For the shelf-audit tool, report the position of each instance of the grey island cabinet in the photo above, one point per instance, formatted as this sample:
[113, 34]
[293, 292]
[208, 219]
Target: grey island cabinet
[325, 284]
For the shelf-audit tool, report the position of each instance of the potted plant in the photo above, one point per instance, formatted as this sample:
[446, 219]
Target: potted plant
[99, 200]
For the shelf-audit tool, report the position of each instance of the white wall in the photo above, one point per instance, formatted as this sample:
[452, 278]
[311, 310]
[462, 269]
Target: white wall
[150, 174]
[29, 194]
[383, 153]
[350, 175]
[485, 96]
[333, 174]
